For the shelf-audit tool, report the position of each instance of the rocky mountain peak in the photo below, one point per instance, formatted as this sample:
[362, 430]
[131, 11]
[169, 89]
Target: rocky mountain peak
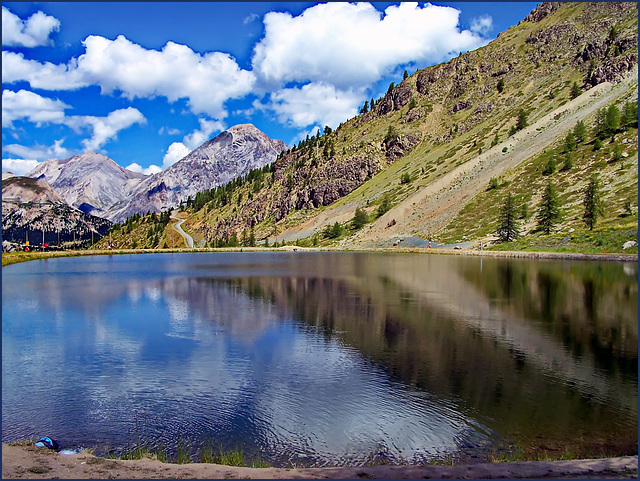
[230, 154]
[91, 182]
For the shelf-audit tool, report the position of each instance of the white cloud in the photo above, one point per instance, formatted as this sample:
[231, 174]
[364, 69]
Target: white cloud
[33, 32]
[105, 128]
[152, 169]
[206, 81]
[33, 107]
[252, 17]
[168, 130]
[175, 152]
[313, 104]
[353, 45]
[197, 138]
[481, 25]
[39, 152]
[46, 76]
[19, 166]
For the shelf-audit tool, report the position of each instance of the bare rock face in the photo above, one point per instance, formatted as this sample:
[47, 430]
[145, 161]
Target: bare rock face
[414, 114]
[542, 11]
[396, 99]
[90, 182]
[461, 105]
[230, 154]
[399, 145]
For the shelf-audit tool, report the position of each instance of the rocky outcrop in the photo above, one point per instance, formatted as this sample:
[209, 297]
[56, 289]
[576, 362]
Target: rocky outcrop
[399, 145]
[542, 11]
[461, 105]
[396, 99]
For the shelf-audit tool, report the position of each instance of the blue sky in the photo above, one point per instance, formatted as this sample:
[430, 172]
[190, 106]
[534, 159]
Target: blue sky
[147, 82]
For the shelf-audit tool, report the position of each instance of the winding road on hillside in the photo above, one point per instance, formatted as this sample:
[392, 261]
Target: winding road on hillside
[178, 227]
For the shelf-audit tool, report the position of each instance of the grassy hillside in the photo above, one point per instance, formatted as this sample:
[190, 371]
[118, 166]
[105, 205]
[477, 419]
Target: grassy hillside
[419, 161]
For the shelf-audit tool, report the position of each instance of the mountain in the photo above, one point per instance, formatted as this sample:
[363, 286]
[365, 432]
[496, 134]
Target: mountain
[91, 182]
[230, 154]
[436, 156]
[32, 209]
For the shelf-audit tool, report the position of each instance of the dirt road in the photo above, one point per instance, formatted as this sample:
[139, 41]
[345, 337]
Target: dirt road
[178, 227]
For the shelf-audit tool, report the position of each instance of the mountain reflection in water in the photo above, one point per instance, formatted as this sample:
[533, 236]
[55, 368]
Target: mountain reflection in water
[324, 358]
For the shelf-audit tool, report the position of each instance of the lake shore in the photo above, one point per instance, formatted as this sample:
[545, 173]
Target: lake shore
[9, 258]
[40, 463]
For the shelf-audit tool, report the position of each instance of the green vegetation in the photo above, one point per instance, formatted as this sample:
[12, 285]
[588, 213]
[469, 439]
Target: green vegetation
[360, 218]
[593, 206]
[602, 240]
[508, 228]
[549, 210]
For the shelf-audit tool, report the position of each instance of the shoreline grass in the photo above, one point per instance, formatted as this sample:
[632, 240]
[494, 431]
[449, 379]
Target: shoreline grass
[505, 250]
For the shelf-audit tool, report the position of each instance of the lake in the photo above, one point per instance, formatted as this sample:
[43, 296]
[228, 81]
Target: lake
[318, 359]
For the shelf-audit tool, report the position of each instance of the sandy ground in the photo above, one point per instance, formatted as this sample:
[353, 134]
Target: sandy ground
[40, 463]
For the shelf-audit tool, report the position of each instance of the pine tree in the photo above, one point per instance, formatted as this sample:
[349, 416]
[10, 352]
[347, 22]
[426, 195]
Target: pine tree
[549, 210]
[580, 131]
[500, 85]
[593, 207]
[522, 120]
[575, 91]
[405, 75]
[612, 120]
[508, 229]
[629, 115]
[599, 129]
[359, 219]
[570, 142]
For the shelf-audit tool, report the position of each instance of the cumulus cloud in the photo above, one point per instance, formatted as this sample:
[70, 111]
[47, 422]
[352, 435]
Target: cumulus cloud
[135, 167]
[206, 81]
[313, 104]
[353, 45]
[19, 166]
[175, 152]
[39, 152]
[105, 128]
[481, 25]
[32, 32]
[31, 106]
[45, 76]
[200, 136]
